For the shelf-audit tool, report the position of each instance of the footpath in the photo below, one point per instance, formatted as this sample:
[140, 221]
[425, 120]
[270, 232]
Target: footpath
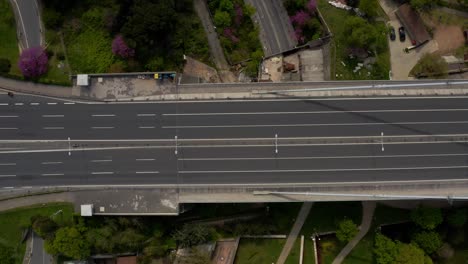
[301, 217]
[367, 215]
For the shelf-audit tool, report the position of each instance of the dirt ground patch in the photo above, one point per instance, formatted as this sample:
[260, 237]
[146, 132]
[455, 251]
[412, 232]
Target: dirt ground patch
[449, 38]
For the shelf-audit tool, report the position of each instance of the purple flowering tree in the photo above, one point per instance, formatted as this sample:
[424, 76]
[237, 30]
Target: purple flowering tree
[239, 15]
[312, 6]
[120, 48]
[229, 33]
[300, 18]
[33, 62]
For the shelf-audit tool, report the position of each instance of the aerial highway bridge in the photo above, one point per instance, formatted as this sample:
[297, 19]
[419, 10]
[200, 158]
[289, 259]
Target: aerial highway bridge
[261, 144]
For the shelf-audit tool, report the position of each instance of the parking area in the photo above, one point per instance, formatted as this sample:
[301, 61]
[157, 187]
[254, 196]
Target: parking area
[402, 62]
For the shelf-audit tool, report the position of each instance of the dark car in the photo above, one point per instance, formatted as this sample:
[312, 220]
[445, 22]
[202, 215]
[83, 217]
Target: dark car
[401, 33]
[392, 33]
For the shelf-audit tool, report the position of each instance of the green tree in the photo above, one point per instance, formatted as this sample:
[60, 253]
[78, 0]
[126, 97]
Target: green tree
[70, 242]
[409, 254]
[429, 241]
[222, 19]
[347, 230]
[360, 34]
[5, 65]
[457, 218]
[369, 7]
[192, 234]
[426, 217]
[249, 10]
[44, 226]
[385, 249]
[6, 255]
[51, 18]
[226, 5]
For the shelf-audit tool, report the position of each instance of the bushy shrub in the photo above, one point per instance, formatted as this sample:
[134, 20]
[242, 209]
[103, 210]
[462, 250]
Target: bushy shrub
[5, 65]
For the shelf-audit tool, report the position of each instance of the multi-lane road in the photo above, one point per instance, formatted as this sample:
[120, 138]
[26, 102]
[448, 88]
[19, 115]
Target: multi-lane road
[288, 141]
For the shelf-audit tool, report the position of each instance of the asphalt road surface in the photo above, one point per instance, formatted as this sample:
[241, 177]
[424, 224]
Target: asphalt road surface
[39, 256]
[276, 30]
[233, 142]
[28, 22]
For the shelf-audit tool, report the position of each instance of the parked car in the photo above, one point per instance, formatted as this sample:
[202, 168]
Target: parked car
[401, 33]
[392, 33]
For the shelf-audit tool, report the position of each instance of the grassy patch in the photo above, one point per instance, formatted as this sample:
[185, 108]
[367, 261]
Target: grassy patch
[309, 256]
[324, 216]
[341, 65]
[259, 251]
[362, 253]
[8, 43]
[89, 51]
[13, 222]
[283, 215]
[294, 254]
[58, 71]
[329, 247]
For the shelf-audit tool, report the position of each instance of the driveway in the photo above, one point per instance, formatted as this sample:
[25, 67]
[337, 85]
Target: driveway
[401, 62]
[39, 256]
[28, 23]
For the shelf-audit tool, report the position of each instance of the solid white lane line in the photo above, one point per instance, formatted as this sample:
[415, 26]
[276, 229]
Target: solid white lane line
[11, 116]
[69, 103]
[53, 116]
[146, 114]
[53, 128]
[7, 164]
[19, 104]
[101, 160]
[144, 159]
[329, 157]
[325, 170]
[51, 103]
[8, 187]
[52, 174]
[8, 128]
[146, 127]
[34, 103]
[319, 112]
[3, 103]
[51, 162]
[105, 115]
[101, 172]
[318, 125]
[102, 127]
[147, 172]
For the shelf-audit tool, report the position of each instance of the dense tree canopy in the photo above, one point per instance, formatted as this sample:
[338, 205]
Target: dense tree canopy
[427, 217]
[385, 249]
[192, 234]
[457, 218]
[347, 230]
[369, 7]
[71, 242]
[360, 34]
[409, 254]
[429, 241]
